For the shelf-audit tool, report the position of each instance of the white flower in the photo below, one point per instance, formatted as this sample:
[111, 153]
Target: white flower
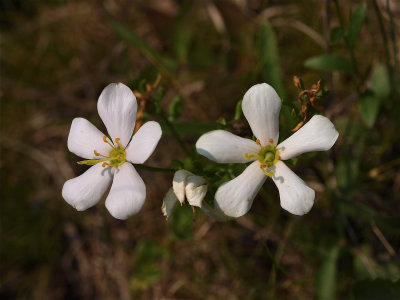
[261, 106]
[184, 185]
[192, 187]
[111, 159]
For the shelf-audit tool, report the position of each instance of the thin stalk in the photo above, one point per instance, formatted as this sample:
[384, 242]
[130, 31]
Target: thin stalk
[175, 134]
[394, 45]
[383, 33]
[349, 47]
[154, 169]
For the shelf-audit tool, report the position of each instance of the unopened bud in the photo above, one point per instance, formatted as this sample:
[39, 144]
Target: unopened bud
[196, 190]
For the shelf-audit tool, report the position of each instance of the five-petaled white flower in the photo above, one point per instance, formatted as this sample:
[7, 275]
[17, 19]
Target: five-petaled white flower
[261, 106]
[111, 158]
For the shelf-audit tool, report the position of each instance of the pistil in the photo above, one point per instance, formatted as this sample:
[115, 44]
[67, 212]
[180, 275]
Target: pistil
[267, 156]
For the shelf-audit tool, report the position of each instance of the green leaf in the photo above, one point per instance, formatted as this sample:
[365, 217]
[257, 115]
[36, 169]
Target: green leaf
[127, 35]
[190, 128]
[378, 91]
[175, 108]
[327, 276]
[369, 107]
[379, 82]
[269, 58]
[376, 289]
[238, 111]
[148, 255]
[335, 35]
[181, 32]
[181, 222]
[329, 63]
[356, 22]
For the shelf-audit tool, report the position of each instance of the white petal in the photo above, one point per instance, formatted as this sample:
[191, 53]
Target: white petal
[127, 193]
[317, 135]
[196, 190]
[235, 197]
[261, 106]
[87, 189]
[296, 197]
[143, 142]
[117, 108]
[84, 138]
[169, 203]
[179, 184]
[224, 147]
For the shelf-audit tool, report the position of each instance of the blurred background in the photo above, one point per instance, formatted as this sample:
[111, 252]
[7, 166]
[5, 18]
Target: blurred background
[57, 56]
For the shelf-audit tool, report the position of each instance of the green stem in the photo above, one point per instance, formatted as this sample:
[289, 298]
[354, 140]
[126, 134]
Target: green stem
[383, 33]
[394, 45]
[349, 47]
[154, 169]
[175, 134]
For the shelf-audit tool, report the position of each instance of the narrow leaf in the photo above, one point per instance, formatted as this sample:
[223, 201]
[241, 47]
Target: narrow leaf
[369, 107]
[269, 56]
[356, 22]
[329, 63]
[327, 276]
[335, 35]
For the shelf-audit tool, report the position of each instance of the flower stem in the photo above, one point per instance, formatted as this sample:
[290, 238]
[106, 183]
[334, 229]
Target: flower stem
[154, 169]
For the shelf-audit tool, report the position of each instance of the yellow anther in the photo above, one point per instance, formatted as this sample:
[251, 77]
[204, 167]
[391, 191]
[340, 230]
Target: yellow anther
[117, 140]
[96, 153]
[106, 141]
[271, 141]
[104, 164]
[258, 142]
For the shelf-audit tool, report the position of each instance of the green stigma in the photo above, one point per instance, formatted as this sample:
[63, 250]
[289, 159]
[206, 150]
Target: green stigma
[267, 156]
[116, 157]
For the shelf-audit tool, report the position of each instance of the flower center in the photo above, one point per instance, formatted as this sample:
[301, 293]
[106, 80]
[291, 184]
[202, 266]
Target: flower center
[267, 156]
[116, 157]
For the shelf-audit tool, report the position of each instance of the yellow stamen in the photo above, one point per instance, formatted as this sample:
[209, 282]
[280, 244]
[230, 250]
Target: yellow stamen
[118, 143]
[271, 141]
[106, 141]
[104, 164]
[258, 142]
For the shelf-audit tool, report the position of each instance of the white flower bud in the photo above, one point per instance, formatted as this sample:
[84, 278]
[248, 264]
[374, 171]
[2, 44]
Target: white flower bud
[179, 183]
[196, 190]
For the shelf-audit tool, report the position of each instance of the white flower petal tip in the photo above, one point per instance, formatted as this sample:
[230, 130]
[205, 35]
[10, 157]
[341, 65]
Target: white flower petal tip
[84, 137]
[117, 108]
[179, 184]
[318, 134]
[169, 203]
[196, 190]
[87, 189]
[127, 193]
[234, 198]
[295, 196]
[261, 106]
[143, 142]
[224, 147]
